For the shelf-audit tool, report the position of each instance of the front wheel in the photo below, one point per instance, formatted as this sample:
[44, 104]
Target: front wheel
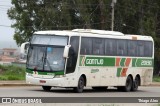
[46, 88]
[80, 86]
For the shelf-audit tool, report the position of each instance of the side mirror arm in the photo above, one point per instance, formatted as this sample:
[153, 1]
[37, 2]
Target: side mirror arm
[23, 45]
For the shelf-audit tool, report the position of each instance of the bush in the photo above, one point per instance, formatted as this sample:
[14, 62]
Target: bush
[3, 78]
[11, 72]
[13, 78]
[156, 78]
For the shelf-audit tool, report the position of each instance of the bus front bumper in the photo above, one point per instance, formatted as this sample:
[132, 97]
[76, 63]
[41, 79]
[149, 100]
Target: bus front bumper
[57, 82]
[62, 81]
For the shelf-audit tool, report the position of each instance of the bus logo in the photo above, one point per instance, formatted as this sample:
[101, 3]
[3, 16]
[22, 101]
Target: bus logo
[95, 61]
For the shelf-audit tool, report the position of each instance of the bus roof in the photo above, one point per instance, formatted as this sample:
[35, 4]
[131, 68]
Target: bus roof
[101, 32]
[95, 33]
[77, 31]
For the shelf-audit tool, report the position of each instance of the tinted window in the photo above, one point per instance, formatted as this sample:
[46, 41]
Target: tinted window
[98, 46]
[148, 47]
[121, 48]
[49, 40]
[132, 48]
[140, 48]
[74, 41]
[116, 47]
[86, 46]
[110, 47]
[73, 54]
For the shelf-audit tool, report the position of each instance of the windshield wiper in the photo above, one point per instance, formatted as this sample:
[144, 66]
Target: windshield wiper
[49, 64]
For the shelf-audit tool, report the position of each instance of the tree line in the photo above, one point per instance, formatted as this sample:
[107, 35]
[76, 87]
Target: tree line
[140, 17]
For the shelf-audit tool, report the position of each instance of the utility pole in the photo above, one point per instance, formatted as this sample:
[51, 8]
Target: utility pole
[112, 5]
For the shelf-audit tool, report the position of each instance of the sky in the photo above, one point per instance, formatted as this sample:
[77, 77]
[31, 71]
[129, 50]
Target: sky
[6, 32]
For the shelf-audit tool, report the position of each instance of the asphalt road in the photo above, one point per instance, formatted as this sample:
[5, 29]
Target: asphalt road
[36, 91]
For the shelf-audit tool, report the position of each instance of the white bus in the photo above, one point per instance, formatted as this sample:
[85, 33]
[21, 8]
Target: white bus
[91, 58]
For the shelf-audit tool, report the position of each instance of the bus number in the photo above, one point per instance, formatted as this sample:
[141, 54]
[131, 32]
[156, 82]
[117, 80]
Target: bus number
[146, 63]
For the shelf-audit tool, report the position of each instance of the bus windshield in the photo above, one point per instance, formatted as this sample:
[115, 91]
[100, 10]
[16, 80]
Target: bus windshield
[46, 58]
[46, 53]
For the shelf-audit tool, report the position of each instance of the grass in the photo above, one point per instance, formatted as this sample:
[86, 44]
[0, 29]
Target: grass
[156, 79]
[12, 72]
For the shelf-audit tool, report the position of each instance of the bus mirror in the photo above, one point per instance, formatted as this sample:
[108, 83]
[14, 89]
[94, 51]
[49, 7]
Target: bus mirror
[66, 51]
[24, 48]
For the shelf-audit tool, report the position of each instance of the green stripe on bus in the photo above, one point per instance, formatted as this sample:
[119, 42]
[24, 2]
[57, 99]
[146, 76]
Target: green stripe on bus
[46, 73]
[119, 72]
[110, 61]
[122, 63]
[80, 63]
[144, 62]
[134, 62]
[98, 61]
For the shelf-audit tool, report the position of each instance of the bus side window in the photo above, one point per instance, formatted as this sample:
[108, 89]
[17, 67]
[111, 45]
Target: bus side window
[83, 51]
[98, 46]
[140, 48]
[110, 47]
[148, 49]
[121, 47]
[86, 46]
[71, 59]
[73, 54]
[132, 48]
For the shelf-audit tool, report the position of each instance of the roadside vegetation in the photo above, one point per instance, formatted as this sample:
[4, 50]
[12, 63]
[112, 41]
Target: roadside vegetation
[11, 72]
[156, 79]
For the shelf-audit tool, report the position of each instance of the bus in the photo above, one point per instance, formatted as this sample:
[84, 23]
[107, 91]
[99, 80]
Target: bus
[89, 58]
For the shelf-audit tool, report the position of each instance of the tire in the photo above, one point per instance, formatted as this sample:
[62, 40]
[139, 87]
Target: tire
[81, 84]
[46, 88]
[128, 85]
[135, 84]
[100, 88]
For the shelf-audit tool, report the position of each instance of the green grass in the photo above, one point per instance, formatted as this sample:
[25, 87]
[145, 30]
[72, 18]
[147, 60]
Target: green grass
[156, 79]
[12, 73]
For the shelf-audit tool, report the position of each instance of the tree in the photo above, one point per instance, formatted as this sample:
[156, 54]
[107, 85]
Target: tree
[33, 15]
[131, 17]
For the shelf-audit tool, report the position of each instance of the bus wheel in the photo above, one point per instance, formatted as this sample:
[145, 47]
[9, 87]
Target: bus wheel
[100, 88]
[46, 88]
[135, 84]
[128, 85]
[80, 86]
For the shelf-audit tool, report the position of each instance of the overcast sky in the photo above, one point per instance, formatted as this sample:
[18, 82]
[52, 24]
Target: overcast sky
[6, 32]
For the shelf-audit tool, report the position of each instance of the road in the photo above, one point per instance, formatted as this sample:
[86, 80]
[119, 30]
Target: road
[36, 91]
